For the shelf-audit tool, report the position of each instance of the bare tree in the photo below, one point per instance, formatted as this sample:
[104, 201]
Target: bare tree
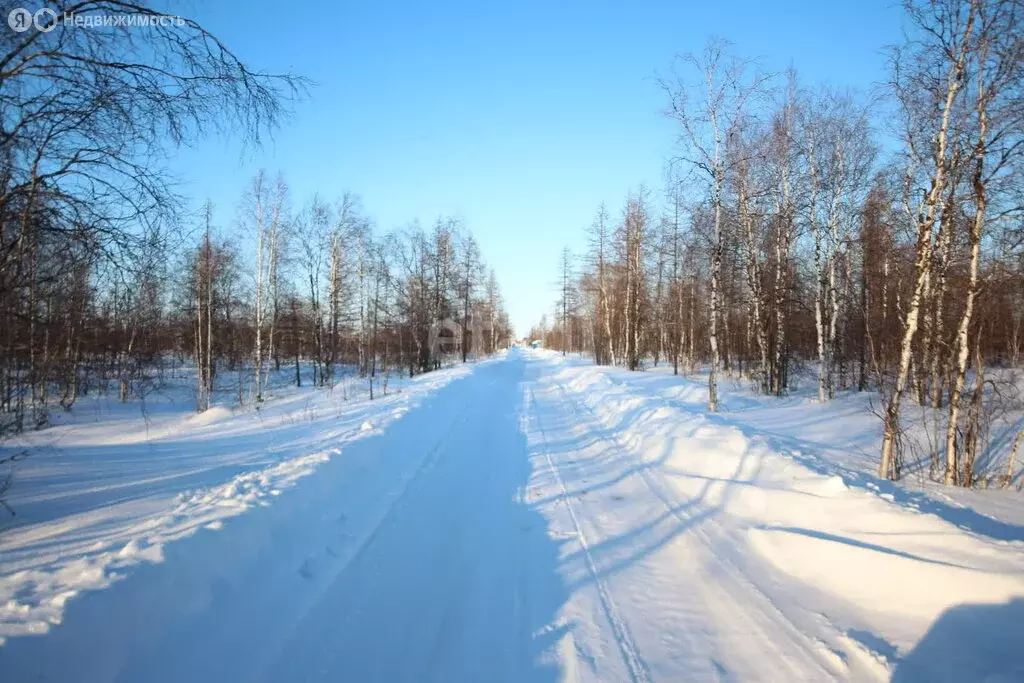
[599, 248]
[84, 115]
[995, 68]
[708, 109]
[953, 30]
[470, 268]
[565, 301]
[276, 245]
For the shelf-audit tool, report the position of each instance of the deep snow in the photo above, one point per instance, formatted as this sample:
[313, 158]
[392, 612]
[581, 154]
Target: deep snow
[528, 518]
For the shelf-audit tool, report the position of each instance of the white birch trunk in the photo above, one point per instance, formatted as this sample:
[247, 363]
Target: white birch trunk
[922, 264]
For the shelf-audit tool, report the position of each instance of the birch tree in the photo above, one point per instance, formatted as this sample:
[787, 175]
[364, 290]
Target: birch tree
[995, 72]
[255, 207]
[952, 30]
[708, 103]
[600, 240]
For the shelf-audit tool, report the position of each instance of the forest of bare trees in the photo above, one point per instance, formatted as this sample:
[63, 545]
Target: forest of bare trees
[867, 245]
[106, 279]
[324, 289]
[805, 233]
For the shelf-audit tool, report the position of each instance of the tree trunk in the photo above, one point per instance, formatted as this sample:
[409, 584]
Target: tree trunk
[961, 342]
[922, 266]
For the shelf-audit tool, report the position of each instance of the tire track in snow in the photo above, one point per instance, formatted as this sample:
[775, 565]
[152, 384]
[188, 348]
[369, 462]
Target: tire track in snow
[340, 561]
[825, 658]
[635, 665]
[429, 460]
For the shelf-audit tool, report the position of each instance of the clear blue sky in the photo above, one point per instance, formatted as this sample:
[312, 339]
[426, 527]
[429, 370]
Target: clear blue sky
[521, 117]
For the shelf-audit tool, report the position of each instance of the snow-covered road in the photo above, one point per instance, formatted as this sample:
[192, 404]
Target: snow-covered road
[537, 520]
[458, 575]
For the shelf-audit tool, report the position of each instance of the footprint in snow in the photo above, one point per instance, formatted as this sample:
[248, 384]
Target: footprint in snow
[307, 570]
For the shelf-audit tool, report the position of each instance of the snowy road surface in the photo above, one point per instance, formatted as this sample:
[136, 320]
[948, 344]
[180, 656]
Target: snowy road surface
[538, 520]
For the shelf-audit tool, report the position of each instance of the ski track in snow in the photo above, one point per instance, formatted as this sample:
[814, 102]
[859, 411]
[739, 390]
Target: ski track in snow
[538, 519]
[742, 585]
[637, 668]
[738, 594]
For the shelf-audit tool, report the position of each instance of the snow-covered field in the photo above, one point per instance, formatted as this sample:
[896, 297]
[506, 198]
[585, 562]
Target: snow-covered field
[527, 518]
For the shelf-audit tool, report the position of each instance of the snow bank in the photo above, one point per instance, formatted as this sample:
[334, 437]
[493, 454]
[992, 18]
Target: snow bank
[797, 510]
[107, 492]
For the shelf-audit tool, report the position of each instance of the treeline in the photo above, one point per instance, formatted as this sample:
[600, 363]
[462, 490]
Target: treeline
[286, 289]
[789, 235]
[105, 278]
[323, 288]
